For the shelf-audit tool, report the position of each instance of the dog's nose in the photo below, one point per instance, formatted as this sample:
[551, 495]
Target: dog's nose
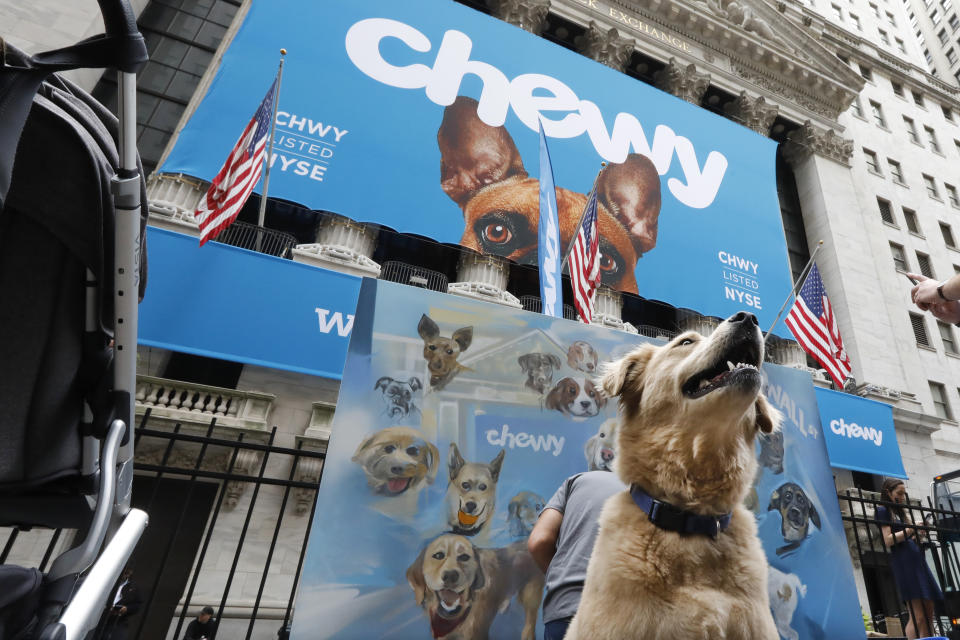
[470, 507]
[743, 316]
[589, 366]
[397, 470]
[585, 403]
[450, 577]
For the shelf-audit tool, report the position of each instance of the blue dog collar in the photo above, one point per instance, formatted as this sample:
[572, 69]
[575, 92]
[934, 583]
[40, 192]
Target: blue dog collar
[666, 516]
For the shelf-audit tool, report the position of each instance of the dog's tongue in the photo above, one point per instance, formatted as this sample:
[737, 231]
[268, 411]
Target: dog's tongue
[449, 597]
[396, 485]
[466, 519]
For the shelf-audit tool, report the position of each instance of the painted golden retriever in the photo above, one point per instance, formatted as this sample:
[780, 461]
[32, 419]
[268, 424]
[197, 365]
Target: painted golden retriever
[462, 587]
[690, 412]
[397, 460]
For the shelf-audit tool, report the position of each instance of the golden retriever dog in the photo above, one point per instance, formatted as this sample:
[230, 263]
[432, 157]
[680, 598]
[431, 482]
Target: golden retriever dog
[601, 448]
[472, 494]
[441, 353]
[397, 461]
[462, 587]
[690, 412]
[577, 398]
[482, 171]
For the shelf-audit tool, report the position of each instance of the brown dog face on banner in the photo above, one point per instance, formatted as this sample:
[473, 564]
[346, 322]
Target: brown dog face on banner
[481, 170]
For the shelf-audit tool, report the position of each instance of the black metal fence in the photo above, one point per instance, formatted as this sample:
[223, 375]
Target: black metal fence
[230, 516]
[933, 534]
[250, 236]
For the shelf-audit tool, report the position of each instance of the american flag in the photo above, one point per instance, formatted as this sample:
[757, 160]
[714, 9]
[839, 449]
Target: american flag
[814, 326]
[585, 262]
[239, 175]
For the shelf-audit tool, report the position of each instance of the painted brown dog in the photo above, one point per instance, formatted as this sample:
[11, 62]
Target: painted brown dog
[481, 170]
[441, 353]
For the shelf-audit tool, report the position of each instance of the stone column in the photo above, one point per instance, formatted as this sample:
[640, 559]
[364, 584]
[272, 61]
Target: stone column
[608, 310]
[483, 277]
[172, 198]
[683, 81]
[753, 113]
[530, 15]
[606, 46]
[342, 245]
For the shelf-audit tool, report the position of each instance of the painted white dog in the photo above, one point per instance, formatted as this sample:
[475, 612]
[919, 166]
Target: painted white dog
[785, 591]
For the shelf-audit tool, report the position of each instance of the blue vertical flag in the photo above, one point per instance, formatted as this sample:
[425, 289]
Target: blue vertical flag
[548, 249]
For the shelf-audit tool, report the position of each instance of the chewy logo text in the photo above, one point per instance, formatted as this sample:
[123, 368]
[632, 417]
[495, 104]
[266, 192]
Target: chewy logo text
[853, 430]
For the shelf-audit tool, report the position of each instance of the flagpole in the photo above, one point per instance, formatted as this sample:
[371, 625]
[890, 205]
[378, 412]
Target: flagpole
[793, 292]
[268, 157]
[576, 232]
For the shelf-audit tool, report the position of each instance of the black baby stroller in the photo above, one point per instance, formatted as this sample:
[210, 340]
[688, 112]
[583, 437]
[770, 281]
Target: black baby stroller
[72, 212]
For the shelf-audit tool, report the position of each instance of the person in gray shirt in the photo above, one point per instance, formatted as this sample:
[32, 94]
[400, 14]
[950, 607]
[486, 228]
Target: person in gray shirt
[562, 540]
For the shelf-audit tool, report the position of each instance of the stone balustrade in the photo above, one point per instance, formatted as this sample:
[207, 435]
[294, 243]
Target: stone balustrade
[196, 404]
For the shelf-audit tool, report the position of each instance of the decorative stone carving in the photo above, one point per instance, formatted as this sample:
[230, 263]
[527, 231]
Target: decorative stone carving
[245, 464]
[753, 113]
[682, 81]
[483, 277]
[530, 15]
[808, 140]
[308, 470]
[608, 310]
[172, 198]
[606, 46]
[741, 14]
[342, 245]
[808, 102]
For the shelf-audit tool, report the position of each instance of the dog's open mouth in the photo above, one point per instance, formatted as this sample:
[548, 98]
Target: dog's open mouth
[398, 485]
[734, 365]
[450, 602]
[468, 520]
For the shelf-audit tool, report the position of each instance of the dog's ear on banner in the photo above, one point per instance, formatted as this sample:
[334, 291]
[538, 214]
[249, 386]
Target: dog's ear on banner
[769, 417]
[455, 461]
[774, 500]
[433, 461]
[463, 337]
[616, 374]
[382, 383]
[496, 463]
[362, 447]
[427, 328]
[815, 516]
[554, 360]
[415, 383]
[416, 579]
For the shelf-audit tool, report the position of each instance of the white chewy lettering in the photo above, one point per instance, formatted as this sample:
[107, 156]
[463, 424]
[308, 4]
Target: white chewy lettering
[541, 442]
[442, 81]
[335, 319]
[853, 430]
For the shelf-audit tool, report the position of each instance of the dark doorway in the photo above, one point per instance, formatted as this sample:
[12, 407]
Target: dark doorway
[164, 557]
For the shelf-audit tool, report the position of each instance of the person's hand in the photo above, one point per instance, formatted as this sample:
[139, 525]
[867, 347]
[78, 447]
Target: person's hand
[924, 293]
[123, 611]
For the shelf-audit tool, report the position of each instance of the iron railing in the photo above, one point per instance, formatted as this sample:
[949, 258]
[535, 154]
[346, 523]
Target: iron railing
[250, 236]
[535, 304]
[938, 536]
[414, 276]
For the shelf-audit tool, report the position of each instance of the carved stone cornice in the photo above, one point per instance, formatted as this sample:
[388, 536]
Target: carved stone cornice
[808, 140]
[794, 95]
[683, 81]
[308, 470]
[754, 113]
[245, 464]
[606, 46]
[530, 15]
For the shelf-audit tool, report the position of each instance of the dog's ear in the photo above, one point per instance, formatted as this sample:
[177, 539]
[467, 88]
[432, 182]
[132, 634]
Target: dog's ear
[768, 416]
[774, 500]
[382, 383]
[814, 516]
[513, 510]
[415, 384]
[455, 461]
[496, 463]
[524, 360]
[631, 192]
[590, 449]
[416, 579]
[599, 396]
[427, 328]
[480, 579]
[363, 447]
[553, 397]
[616, 374]
[433, 461]
[554, 361]
[472, 153]
[463, 337]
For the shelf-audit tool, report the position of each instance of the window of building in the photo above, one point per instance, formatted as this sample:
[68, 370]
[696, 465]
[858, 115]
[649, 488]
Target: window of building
[954, 22]
[942, 35]
[956, 269]
[935, 17]
[946, 335]
[886, 212]
[952, 194]
[951, 56]
[890, 19]
[899, 257]
[923, 261]
[858, 109]
[926, 54]
[911, 129]
[910, 217]
[931, 186]
[877, 112]
[856, 21]
[875, 9]
[884, 38]
[895, 171]
[919, 329]
[947, 235]
[917, 98]
[866, 73]
[873, 166]
[956, 144]
[932, 139]
[947, 113]
[940, 405]
[837, 13]
[897, 89]
[900, 44]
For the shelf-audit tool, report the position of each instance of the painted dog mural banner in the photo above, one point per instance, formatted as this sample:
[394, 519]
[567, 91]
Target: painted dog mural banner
[423, 513]
[423, 115]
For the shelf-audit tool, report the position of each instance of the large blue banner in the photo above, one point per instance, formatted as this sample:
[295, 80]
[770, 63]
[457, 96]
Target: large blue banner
[422, 116]
[230, 303]
[457, 416]
[860, 434]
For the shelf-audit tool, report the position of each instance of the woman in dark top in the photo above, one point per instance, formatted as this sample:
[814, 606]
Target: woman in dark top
[910, 571]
